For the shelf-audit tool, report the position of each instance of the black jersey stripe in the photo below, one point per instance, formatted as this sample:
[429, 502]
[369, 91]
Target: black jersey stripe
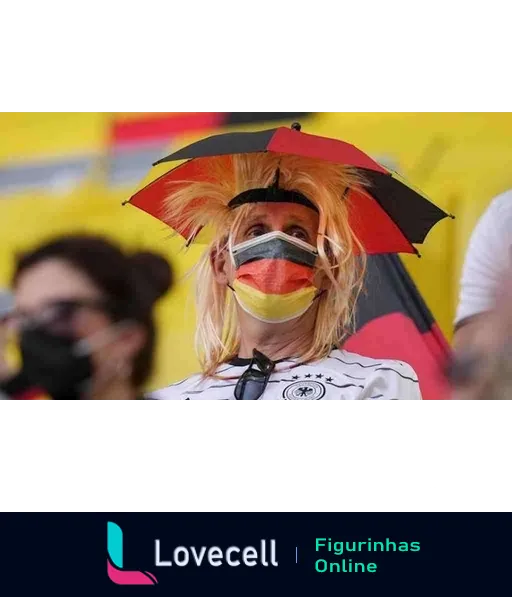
[353, 377]
[355, 363]
[347, 385]
[398, 373]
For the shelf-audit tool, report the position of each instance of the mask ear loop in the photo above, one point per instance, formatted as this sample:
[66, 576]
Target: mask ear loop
[230, 250]
[319, 294]
[320, 242]
[322, 227]
[321, 236]
[321, 231]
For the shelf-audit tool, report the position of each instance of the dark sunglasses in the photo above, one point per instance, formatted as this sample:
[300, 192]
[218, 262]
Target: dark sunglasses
[57, 314]
[254, 379]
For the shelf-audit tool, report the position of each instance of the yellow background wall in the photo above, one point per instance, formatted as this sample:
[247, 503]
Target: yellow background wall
[460, 160]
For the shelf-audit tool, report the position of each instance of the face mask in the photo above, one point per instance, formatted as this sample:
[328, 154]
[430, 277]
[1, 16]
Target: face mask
[274, 277]
[57, 364]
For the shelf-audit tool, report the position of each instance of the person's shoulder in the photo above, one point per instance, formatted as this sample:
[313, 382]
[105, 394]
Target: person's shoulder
[502, 203]
[370, 363]
[486, 259]
[497, 216]
[395, 379]
[352, 358]
[176, 391]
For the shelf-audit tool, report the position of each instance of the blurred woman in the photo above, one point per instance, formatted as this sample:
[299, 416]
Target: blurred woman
[83, 313]
[483, 370]
[487, 260]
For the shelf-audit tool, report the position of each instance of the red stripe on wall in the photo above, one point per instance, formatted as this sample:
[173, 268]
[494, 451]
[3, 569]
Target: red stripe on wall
[32, 394]
[152, 129]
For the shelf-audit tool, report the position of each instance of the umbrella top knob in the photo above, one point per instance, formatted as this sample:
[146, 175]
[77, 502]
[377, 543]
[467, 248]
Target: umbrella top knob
[296, 126]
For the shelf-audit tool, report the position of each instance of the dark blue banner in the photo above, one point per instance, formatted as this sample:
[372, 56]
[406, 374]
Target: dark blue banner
[268, 554]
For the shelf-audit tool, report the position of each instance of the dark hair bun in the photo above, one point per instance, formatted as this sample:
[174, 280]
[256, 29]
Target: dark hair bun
[154, 272]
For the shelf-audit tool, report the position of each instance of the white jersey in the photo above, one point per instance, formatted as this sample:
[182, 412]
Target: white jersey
[487, 259]
[341, 376]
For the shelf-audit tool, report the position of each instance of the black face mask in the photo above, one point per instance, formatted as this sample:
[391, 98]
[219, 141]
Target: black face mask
[51, 362]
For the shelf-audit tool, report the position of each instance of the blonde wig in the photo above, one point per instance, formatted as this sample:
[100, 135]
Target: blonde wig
[196, 205]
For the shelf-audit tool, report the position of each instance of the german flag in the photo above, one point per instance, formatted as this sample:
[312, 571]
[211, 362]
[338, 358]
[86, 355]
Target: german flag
[20, 388]
[394, 322]
[32, 394]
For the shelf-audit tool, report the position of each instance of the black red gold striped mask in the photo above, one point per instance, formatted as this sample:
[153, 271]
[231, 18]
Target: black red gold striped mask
[274, 276]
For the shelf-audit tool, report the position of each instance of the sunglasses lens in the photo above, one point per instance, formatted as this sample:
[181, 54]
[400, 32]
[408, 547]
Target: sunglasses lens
[253, 382]
[251, 385]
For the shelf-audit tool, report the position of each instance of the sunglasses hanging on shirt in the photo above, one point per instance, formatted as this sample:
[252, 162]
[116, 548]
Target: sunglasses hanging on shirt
[254, 380]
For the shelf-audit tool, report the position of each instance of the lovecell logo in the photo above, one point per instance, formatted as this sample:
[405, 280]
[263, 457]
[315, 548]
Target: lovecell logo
[115, 569]
[264, 554]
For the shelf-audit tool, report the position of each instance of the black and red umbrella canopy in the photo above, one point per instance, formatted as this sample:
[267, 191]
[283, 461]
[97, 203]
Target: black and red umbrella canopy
[387, 217]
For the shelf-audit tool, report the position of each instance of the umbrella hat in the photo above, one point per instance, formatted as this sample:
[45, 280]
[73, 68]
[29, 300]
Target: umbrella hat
[386, 214]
